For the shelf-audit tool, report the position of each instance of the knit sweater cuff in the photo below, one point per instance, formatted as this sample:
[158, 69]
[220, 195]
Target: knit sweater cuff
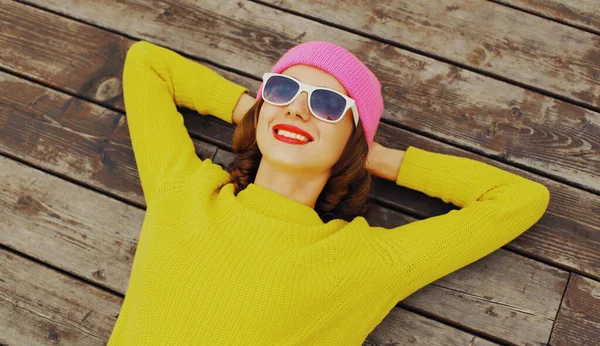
[224, 98]
[454, 179]
[415, 163]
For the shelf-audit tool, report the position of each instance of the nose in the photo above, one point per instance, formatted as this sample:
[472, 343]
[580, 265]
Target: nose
[299, 108]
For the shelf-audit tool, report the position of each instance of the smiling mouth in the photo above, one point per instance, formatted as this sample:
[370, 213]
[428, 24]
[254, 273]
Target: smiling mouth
[290, 137]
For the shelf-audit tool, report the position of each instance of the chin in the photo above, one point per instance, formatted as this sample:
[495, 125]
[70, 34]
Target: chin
[288, 159]
[294, 156]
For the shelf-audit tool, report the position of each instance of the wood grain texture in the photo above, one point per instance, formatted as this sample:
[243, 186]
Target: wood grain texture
[451, 104]
[567, 236]
[73, 228]
[97, 237]
[584, 14]
[509, 297]
[399, 327]
[479, 34]
[71, 137]
[67, 148]
[40, 306]
[48, 211]
[578, 322]
[522, 304]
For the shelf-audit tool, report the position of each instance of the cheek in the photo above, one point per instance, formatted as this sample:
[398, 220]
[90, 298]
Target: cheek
[334, 142]
[266, 116]
[265, 120]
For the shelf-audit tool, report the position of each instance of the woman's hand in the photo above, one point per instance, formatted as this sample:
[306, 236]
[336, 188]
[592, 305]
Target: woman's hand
[241, 108]
[384, 162]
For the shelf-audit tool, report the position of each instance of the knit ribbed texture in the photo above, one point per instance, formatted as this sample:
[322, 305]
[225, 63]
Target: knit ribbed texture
[259, 268]
[360, 83]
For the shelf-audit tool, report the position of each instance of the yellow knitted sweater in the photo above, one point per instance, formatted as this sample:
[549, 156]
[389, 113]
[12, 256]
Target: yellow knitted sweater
[212, 268]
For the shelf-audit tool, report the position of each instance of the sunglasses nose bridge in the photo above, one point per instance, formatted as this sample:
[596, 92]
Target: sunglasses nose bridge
[303, 94]
[302, 109]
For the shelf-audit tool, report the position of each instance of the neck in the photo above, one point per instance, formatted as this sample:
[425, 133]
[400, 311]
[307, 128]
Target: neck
[301, 186]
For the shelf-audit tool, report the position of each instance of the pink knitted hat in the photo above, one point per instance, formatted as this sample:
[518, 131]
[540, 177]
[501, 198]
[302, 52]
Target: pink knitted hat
[360, 83]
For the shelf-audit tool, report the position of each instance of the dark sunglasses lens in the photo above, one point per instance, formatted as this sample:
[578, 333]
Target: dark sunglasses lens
[327, 105]
[280, 89]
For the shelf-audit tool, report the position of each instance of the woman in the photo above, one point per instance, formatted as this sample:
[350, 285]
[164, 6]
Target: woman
[277, 251]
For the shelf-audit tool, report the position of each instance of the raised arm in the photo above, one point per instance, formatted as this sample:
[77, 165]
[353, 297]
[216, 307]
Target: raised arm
[497, 206]
[155, 81]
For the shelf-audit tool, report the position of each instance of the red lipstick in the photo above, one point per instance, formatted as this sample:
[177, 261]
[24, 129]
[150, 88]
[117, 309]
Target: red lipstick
[292, 129]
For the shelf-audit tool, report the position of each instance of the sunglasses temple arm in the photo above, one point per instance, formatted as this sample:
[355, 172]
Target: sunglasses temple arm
[355, 115]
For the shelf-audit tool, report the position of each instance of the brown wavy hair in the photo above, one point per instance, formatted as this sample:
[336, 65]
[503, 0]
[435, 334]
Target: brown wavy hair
[346, 193]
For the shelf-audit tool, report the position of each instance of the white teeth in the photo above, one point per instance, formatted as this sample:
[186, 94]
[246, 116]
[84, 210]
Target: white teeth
[291, 135]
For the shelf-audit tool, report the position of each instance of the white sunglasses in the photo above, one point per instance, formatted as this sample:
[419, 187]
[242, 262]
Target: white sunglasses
[324, 103]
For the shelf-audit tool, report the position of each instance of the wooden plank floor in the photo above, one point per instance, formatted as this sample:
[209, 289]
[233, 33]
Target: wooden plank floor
[513, 83]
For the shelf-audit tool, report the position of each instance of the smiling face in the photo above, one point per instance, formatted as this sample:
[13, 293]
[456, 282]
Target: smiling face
[327, 140]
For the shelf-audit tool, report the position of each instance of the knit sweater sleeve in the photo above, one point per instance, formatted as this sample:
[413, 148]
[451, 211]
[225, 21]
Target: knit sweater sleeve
[155, 81]
[496, 207]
